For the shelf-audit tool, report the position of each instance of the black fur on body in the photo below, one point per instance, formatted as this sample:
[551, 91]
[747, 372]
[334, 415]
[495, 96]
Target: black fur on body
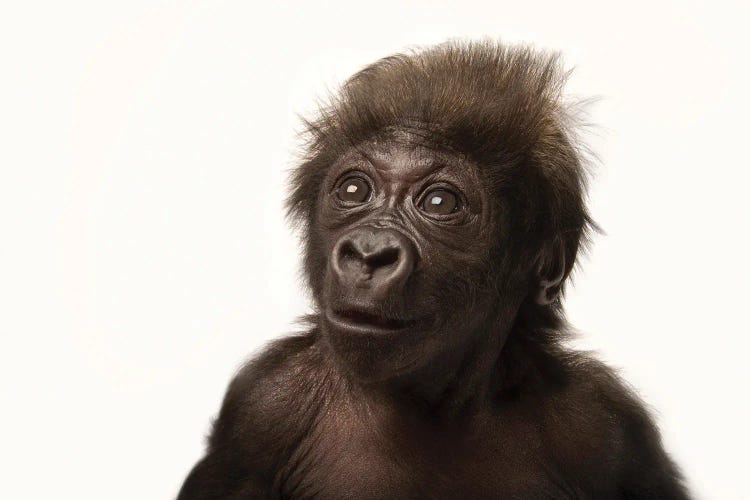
[442, 200]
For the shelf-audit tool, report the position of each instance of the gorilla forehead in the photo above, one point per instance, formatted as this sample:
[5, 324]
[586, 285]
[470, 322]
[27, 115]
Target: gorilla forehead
[404, 155]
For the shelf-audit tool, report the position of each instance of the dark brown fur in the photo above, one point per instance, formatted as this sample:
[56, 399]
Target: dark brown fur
[479, 398]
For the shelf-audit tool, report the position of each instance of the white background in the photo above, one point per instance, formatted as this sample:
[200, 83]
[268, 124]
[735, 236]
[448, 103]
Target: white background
[143, 251]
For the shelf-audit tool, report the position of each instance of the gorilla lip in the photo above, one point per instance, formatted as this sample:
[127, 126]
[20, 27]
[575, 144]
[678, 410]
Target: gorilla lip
[365, 321]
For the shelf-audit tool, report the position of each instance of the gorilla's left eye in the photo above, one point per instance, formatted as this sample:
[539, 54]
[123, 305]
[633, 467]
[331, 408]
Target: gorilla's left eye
[440, 202]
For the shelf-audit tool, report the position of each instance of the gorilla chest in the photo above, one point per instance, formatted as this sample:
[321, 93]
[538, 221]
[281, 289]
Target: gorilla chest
[425, 464]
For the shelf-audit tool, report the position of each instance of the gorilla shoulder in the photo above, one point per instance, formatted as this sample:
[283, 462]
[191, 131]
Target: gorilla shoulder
[593, 421]
[271, 401]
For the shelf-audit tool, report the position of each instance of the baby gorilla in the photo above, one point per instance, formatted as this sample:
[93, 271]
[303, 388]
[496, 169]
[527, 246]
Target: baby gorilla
[442, 201]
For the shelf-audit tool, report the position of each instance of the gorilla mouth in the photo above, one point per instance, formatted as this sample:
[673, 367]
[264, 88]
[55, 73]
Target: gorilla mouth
[358, 318]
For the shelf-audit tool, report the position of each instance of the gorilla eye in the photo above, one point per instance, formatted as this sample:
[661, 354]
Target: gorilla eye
[353, 190]
[440, 202]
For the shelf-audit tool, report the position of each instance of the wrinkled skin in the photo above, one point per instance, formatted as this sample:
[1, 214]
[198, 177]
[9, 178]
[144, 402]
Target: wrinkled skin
[434, 365]
[420, 297]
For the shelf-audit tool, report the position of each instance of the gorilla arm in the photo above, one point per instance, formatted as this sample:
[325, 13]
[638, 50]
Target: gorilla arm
[262, 416]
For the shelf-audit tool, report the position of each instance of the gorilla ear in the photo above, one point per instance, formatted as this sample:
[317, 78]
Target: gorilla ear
[551, 270]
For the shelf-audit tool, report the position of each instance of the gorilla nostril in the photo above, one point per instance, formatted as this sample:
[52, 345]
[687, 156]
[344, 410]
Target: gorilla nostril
[348, 251]
[383, 258]
[379, 260]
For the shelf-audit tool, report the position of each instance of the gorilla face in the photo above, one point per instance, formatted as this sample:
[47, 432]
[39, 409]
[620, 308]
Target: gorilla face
[407, 232]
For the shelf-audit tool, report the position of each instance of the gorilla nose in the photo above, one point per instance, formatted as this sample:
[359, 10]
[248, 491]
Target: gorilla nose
[380, 259]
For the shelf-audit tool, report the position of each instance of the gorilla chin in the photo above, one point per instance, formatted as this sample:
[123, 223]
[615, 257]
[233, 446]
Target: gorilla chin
[372, 347]
[362, 322]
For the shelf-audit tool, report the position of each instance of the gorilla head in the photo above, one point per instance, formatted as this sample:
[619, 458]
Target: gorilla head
[443, 198]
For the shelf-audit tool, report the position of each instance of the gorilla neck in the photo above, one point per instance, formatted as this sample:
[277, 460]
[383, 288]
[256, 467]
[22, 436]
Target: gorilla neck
[460, 379]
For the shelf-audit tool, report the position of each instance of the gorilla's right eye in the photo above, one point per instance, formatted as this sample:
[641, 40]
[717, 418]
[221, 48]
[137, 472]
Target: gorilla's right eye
[353, 189]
